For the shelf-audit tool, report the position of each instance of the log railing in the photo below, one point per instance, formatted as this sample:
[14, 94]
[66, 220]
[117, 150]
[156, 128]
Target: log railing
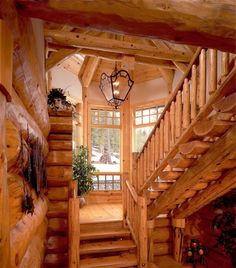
[189, 102]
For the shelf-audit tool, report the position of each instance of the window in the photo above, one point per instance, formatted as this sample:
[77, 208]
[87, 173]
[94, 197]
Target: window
[105, 148]
[144, 121]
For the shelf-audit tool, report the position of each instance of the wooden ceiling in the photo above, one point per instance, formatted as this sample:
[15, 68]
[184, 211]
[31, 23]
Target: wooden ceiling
[150, 59]
[147, 31]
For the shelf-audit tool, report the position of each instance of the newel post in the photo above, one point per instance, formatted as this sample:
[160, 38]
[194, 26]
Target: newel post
[143, 232]
[178, 227]
[74, 232]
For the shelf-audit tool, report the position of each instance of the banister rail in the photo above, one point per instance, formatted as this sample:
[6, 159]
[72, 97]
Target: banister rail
[190, 102]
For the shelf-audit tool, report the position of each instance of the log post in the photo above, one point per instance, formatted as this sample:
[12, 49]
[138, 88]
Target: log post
[85, 115]
[6, 52]
[74, 232]
[143, 232]
[194, 93]
[202, 85]
[151, 225]
[178, 225]
[213, 71]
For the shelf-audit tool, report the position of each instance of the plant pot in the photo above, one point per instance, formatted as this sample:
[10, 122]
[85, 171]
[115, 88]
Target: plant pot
[81, 201]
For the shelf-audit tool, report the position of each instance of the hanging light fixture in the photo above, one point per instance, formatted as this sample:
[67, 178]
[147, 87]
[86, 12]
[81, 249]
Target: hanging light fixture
[116, 87]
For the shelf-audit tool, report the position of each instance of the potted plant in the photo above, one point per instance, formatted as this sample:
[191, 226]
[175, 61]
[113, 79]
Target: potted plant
[82, 172]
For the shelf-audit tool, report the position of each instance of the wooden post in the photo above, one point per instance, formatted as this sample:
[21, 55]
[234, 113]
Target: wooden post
[74, 232]
[186, 104]
[143, 235]
[178, 109]
[161, 139]
[85, 115]
[124, 199]
[6, 53]
[179, 225]
[224, 64]
[202, 86]
[172, 124]
[194, 92]
[213, 71]
[151, 225]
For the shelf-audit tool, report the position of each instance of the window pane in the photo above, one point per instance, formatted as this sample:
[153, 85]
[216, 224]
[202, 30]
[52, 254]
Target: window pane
[94, 120]
[117, 114]
[141, 135]
[138, 121]
[145, 119]
[106, 149]
[117, 121]
[153, 118]
[146, 112]
[138, 113]
[109, 121]
[153, 111]
[102, 121]
[160, 109]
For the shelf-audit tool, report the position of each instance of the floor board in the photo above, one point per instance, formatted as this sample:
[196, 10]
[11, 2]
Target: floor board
[101, 212]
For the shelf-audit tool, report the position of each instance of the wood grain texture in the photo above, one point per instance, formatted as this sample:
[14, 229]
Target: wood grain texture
[179, 23]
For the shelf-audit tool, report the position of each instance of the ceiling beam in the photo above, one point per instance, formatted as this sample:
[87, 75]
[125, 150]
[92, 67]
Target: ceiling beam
[223, 185]
[54, 59]
[208, 162]
[89, 71]
[201, 23]
[112, 45]
[58, 56]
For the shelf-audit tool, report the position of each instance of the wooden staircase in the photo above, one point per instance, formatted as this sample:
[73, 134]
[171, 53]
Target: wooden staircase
[106, 244]
[59, 171]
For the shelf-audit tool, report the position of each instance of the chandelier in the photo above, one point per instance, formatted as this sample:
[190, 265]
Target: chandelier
[116, 87]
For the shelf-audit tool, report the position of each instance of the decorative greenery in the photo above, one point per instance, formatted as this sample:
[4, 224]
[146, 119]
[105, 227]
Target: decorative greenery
[224, 223]
[57, 100]
[82, 171]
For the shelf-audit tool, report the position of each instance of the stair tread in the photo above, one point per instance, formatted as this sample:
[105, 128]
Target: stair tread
[96, 234]
[124, 260]
[106, 246]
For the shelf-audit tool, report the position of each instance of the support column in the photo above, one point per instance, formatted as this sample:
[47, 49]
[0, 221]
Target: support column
[6, 52]
[85, 115]
[151, 226]
[143, 232]
[178, 225]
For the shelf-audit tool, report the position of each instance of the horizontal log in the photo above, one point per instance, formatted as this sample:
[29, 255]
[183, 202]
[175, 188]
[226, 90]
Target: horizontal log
[170, 175]
[160, 249]
[57, 158]
[182, 24]
[58, 193]
[21, 118]
[222, 186]
[54, 136]
[212, 128]
[211, 176]
[28, 79]
[57, 226]
[162, 222]
[65, 145]
[180, 162]
[163, 234]
[61, 124]
[226, 105]
[23, 232]
[194, 147]
[34, 255]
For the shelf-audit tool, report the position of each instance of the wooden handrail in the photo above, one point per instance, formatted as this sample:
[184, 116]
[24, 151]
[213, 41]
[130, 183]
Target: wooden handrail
[224, 89]
[132, 191]
[174, 94]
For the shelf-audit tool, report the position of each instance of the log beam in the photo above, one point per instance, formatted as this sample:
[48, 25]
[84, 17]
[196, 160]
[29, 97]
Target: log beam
[27, 78]
[219, 188]
[112, 45]
[169, 21]
[218, 151]
[55, 58]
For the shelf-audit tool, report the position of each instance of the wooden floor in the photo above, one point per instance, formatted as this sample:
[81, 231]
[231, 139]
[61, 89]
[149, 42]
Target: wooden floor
[101, 212]
[169, 262]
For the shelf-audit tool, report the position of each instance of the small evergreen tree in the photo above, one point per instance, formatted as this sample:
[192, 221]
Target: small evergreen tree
[82, 171]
